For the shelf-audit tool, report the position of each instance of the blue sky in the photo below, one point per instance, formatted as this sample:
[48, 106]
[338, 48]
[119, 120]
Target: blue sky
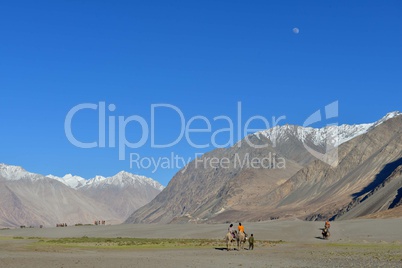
[202, 57]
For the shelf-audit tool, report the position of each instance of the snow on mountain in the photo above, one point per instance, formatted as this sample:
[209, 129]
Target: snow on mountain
[10, 172]
[123, 192]
[387, 117]
[69, 180]
[333, 134]
[123, 179]
[94, 181]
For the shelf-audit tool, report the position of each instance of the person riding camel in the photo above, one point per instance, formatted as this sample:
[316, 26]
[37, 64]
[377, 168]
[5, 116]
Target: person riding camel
[231, 231]
[241, 228]
[325, 233]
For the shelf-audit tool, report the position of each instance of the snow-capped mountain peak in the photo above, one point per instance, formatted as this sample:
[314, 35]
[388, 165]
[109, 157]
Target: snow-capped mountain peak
[69, 180]
[95, 181]
[387, 117]
[10, 172]
[320, 136]
[123, 179]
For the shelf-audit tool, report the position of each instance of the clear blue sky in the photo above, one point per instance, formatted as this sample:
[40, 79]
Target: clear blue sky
[201, 56]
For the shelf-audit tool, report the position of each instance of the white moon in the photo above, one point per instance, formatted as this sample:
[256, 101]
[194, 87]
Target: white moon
[296, 30]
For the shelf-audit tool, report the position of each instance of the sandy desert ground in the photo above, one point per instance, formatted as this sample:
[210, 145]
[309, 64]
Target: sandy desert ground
[356, 243]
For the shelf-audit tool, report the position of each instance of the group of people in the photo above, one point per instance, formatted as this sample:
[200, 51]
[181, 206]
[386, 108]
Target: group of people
[240, 229]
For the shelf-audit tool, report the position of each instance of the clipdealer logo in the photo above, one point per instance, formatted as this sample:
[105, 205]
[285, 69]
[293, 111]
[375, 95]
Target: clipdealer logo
[113, 132]
[330, 154]
[116, 127]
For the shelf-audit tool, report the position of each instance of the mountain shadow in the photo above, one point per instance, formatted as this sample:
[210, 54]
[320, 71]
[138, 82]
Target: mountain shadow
[380, 177]
[397, 200]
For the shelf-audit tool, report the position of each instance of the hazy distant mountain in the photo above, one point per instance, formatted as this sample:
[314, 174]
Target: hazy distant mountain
[32, 199]
[123, 179]
[307, 188]
[123, 192]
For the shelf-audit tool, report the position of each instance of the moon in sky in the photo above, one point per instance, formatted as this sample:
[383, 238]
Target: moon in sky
[296, 30]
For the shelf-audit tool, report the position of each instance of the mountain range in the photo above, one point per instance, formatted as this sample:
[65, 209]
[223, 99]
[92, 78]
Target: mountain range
[32, 199]
[365, 180]
[271, 174]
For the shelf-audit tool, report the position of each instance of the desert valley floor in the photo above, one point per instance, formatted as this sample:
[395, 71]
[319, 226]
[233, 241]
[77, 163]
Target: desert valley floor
[291, 243]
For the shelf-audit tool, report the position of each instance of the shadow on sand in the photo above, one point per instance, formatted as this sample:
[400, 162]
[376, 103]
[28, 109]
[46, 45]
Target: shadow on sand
[320, 237]
[235, 249]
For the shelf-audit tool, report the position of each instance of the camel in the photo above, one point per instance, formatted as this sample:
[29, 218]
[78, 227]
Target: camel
[325, 233]
[229, 241]
[241, 240]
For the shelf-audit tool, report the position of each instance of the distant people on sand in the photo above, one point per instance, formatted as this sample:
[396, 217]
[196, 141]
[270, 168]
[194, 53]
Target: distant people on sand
[327, 225]
[251, 242]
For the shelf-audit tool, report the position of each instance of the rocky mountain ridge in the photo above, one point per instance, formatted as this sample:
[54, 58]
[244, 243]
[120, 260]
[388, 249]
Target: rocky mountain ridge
[307, 188]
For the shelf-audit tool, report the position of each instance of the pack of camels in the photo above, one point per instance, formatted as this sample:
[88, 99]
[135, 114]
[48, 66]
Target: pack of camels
[239, 237]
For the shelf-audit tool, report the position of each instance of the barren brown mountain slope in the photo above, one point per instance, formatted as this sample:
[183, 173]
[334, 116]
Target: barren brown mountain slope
[392, 213]
[320, 191]
[315, 191]
[202, 190]
[385, 196]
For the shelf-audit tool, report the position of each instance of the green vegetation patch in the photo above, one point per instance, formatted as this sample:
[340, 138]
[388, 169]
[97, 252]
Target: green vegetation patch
[126, 242]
